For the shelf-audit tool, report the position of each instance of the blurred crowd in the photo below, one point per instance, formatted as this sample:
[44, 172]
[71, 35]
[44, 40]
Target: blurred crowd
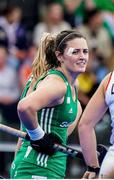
[21, 26]
[19, 41]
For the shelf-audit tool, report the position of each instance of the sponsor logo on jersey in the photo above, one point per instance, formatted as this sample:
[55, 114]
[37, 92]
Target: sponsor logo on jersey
[64, 124]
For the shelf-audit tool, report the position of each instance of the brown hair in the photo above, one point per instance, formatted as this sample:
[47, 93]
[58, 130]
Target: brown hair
[46, 58]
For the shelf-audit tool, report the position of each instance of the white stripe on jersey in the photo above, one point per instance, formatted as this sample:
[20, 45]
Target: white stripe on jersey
[46, 120]
[42, 159]
[46, 116]
[42, 116]
[50, 120]
[29, 148]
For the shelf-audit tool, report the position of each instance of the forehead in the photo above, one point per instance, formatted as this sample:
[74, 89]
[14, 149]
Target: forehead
[77, 43]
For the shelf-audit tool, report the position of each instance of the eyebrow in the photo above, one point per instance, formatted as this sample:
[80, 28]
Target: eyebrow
[79, 48]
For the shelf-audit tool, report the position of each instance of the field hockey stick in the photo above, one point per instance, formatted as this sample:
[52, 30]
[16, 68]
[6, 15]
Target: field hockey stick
[101, 149]
[62, 148]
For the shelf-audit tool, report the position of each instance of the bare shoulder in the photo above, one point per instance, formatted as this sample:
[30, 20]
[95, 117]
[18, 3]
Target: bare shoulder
[106, 80]
[55, 80]
[53, 83]
[103, 85]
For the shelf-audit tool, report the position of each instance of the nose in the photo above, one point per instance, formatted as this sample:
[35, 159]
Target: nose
[82, 55]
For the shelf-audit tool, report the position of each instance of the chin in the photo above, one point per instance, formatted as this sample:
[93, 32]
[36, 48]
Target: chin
[82, 70]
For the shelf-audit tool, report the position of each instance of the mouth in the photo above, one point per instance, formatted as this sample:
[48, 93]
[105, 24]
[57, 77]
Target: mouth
[81, 62]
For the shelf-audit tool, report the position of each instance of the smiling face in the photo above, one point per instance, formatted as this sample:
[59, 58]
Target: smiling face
[75, 56]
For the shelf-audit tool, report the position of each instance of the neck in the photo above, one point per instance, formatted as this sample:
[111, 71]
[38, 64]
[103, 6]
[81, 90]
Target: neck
[71, 77]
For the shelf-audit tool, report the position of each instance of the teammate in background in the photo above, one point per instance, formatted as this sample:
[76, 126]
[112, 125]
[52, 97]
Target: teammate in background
[49, 109]
[97, 106]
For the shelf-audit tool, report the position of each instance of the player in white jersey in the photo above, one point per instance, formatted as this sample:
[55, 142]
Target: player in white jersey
[96, 108]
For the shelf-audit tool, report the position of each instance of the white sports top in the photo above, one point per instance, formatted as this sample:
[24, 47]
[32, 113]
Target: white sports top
[109, 98]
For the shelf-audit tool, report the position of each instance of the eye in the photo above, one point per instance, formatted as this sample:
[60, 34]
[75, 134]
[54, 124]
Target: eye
[76, 51]
[85, 51]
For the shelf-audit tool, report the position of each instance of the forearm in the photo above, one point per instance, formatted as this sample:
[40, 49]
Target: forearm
[28, 118]
[88, 145]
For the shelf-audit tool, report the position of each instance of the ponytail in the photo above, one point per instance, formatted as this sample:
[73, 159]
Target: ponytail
[40, 64]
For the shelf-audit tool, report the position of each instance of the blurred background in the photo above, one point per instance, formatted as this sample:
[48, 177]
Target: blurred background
[22, 23]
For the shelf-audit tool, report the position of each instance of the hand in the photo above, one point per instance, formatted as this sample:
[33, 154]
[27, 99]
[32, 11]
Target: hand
[45, 145]
[91, 173]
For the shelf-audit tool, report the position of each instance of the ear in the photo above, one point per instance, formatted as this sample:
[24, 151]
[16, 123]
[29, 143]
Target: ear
[59, 56]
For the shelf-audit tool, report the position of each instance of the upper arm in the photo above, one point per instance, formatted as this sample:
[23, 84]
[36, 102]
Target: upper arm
[74, 124]
[96, 107]
[48, 91]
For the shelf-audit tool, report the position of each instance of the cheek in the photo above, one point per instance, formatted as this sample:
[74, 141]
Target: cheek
[74, 58]
[87, 57]
[71, 60]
